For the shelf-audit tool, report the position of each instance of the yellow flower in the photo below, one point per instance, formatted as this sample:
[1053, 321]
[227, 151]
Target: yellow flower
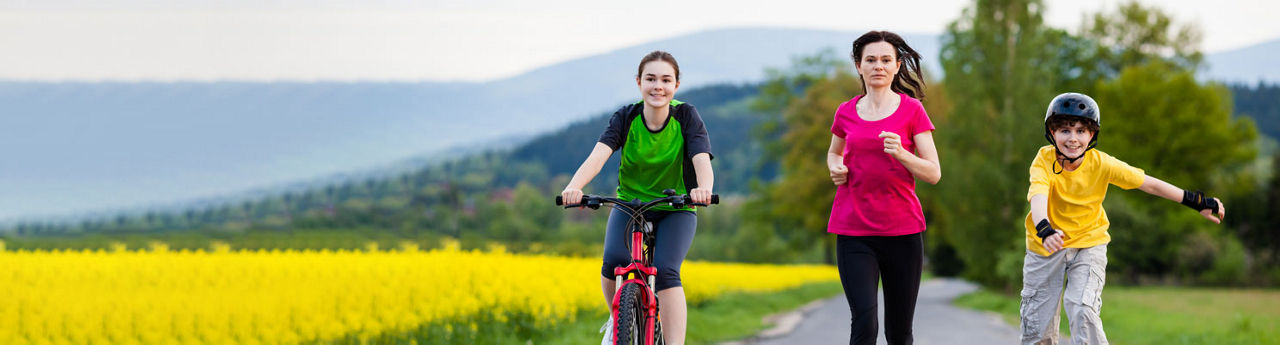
[286, 297]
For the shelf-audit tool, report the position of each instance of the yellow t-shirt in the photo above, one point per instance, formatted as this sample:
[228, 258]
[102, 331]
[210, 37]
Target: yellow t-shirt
[1075, 197]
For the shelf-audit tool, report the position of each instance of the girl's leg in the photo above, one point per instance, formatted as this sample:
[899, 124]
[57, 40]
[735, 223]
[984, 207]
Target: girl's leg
[901, 262]
[1086, 274]
[615, 253]
[859, 274]
[674, 315]
[674, 236]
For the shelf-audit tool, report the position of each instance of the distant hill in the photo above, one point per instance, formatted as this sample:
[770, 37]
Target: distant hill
[1247, 65]
[405, 196]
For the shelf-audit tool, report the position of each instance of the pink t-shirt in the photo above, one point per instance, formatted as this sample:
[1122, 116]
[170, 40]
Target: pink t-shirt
[879, 198]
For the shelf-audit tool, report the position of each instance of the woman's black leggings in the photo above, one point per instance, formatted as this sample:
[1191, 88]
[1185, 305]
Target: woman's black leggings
[863, 261]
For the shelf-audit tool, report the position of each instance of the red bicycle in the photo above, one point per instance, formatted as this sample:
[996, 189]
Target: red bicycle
[635, 304]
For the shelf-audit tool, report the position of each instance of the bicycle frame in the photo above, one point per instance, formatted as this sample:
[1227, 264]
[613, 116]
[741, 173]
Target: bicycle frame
[640, 270]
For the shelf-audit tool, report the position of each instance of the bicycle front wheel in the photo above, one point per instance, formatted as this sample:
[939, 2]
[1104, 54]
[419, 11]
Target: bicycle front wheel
[630, 328]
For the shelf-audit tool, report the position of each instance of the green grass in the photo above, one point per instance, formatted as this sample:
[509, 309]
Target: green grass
[1168, 315]
[729, 317]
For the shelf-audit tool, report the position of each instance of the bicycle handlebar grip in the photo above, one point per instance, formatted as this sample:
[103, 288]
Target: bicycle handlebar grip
[715, 199]
[559, 200]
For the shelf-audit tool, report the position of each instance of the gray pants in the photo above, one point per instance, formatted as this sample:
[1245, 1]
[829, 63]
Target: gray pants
[1084, 271]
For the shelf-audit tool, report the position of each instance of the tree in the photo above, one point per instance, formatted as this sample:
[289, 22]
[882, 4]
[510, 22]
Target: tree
[1000, 63]
[795, 206]
[1159, 118]
[1135, 35]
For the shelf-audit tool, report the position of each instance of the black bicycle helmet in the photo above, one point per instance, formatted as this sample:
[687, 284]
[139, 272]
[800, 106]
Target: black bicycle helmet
[1073, 104]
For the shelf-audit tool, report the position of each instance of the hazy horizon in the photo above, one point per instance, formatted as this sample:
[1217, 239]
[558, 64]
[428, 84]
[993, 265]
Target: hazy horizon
[476, 41]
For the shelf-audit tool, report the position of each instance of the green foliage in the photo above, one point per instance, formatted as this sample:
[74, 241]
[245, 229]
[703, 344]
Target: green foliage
[1259, 102]
[1254, 219]
[1134, 35]
[789, 214]
[1160, 119]
[999, 59]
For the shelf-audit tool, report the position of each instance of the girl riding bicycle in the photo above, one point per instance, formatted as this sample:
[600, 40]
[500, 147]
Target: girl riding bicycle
[657, 154]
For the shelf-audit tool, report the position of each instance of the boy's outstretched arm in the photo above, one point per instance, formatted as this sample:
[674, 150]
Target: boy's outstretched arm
[1198, 201]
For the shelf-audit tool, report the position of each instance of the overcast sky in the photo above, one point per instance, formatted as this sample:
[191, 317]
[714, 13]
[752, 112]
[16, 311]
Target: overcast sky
[474, 40]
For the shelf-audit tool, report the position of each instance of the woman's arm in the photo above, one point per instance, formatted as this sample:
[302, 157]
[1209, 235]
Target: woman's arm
[572, 193]
[706, 178]
[925, 166]
[1155, 186]
[835, 161]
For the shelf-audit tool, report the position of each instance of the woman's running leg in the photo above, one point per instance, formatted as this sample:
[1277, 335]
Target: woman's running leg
[859, 274]
[901, 262]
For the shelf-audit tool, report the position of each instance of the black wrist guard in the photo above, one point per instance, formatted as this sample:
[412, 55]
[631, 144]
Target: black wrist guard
[1044, 230]
[1197, 201]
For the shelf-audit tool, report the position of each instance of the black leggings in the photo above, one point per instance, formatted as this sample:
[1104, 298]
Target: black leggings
[862, 261]
[674, 231]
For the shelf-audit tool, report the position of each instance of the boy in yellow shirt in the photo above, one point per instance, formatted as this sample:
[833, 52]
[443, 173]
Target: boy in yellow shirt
[1066, 229]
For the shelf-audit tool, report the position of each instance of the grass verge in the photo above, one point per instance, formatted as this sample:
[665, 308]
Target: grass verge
[1168, 315]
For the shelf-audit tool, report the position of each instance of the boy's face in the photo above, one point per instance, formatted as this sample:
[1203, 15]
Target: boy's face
[1072, 139]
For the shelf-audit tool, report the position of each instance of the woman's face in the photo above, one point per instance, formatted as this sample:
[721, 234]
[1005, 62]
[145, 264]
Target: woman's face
[879, 64]
[658, 83]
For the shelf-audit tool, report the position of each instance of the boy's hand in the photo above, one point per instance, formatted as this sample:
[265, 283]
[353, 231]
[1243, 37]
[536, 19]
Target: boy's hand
[1054, 242]
[892, 143]
[1051, 238]
[839, 174]
[1221, 211]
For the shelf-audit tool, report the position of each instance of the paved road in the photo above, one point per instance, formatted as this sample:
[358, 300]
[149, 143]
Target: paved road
[936, 321]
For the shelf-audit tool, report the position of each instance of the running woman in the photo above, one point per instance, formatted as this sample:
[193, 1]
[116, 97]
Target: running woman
[881, 143]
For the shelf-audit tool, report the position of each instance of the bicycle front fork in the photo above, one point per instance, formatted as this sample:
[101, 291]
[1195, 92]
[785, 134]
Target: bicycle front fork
[618, 284]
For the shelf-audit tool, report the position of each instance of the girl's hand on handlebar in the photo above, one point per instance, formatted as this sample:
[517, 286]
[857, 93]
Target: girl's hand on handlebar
[571, 196]
[700, 195]
[839, 174]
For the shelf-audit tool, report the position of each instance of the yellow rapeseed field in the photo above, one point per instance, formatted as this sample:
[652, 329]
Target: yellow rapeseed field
[284, 297]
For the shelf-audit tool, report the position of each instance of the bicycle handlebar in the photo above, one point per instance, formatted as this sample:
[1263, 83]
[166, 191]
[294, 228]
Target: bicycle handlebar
[594, 201]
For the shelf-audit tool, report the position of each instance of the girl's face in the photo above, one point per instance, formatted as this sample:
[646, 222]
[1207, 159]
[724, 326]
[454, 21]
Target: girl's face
[657, 83]
[1072, 139]
[879, 64]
